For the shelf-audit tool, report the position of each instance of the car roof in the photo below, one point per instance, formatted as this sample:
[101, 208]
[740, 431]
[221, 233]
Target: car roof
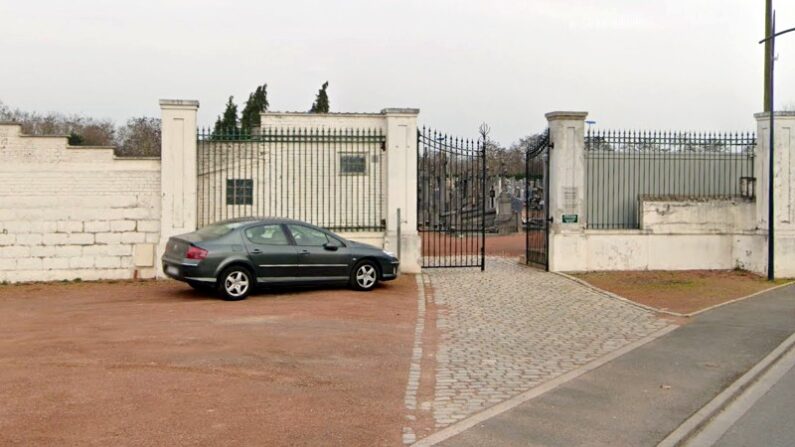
[275, 220]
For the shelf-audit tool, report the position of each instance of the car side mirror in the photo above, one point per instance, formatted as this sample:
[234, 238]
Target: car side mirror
[330, 246]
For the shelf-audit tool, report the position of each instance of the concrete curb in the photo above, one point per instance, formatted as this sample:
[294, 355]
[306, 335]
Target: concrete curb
[415, 370]
[695, 423]
[668, 312]
[717, 427]
[515, 401]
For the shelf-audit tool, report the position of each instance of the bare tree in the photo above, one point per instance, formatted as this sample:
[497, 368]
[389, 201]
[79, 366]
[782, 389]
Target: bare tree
[80, 129]
[140, 137]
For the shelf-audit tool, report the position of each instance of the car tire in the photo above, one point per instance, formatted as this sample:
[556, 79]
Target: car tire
[235, 283]
[364, 276]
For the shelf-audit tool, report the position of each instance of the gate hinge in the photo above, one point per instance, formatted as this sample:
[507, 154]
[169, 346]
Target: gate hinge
[383, 145]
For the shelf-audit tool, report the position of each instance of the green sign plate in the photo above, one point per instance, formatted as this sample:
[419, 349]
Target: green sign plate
[570, 218]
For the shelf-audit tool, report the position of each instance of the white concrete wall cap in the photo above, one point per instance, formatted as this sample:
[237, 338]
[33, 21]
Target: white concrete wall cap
[157, 159]
[684, 198]
[179, 104]
[400, 111]
[562, 115]
[90, 147]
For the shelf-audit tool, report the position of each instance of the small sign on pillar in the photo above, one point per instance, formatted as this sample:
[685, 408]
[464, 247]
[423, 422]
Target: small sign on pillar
[570, 218]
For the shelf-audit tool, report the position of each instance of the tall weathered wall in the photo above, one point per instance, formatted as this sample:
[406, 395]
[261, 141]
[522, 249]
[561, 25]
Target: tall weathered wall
[74, 212]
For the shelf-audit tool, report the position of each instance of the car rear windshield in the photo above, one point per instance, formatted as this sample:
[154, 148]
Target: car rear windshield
[218, 229]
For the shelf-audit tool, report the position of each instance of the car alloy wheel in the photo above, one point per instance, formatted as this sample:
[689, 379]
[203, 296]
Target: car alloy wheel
[236, 284]
[365, 276]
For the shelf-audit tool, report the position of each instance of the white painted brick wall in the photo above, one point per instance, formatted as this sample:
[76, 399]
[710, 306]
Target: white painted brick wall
[68, 213]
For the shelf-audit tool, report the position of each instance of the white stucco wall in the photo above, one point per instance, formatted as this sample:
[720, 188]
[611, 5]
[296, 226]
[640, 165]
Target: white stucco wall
[295, 120]
[675, 234]
[74, 212]
[595, 250]
[685, 234]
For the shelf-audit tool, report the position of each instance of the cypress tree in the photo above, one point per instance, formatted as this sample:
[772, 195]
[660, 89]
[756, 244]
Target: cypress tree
[257, 103]
[74, 139]
[321, 104]
[229, 119]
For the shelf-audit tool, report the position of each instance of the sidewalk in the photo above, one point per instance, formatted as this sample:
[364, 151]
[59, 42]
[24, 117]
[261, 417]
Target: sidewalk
[639, 398]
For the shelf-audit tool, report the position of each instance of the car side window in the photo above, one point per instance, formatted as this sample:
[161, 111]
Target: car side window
[307, 237]
[271, 234]
[334, 241]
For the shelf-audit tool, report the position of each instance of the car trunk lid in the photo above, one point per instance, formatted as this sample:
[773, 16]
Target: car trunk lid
[177, 247]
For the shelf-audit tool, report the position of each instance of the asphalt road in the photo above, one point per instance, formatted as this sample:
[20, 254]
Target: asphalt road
[642, 396]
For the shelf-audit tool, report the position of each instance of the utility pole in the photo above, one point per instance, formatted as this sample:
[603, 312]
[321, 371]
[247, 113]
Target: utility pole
[770, 40]
[768, 51]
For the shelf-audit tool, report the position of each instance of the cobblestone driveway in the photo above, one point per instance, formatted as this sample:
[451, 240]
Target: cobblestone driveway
[511, 328]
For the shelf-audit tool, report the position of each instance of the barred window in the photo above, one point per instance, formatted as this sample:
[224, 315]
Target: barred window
[353, 164]
[239, 191]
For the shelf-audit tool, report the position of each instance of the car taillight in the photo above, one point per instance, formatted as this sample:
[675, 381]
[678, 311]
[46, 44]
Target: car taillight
[196, 253]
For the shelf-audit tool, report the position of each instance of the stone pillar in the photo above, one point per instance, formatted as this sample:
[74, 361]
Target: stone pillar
[783, 189]
[177, 170]
[567, 191]
[401, 186]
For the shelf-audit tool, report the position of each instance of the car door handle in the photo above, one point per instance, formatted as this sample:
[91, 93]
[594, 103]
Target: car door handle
[304, 252]
[256, 251]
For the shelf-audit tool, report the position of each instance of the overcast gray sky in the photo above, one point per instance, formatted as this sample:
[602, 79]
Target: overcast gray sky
[668, 64]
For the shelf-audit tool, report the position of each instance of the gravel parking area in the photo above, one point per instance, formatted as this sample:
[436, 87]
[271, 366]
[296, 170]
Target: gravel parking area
[156, 363]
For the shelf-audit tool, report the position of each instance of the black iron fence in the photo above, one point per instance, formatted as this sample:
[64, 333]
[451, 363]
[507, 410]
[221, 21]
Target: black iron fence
[329, 177]
[623, 166]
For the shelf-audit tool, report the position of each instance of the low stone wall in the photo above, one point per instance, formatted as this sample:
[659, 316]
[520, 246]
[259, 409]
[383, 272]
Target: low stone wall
[74, 212]
[697, 215]
[604, 250]
[677, 233]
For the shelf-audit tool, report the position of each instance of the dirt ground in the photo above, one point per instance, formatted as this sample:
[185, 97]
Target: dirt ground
[440, 244]
[679, 291]
[156, 363]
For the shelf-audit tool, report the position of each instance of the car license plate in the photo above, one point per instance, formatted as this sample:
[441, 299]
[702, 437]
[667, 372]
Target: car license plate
[171, 270]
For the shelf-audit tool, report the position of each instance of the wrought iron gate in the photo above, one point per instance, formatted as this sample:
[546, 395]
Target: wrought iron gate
[536, 212]
[451, 199]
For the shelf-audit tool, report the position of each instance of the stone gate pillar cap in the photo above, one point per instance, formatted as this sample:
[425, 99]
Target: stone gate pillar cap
[777, 114]
[561, 115]
[179, 103]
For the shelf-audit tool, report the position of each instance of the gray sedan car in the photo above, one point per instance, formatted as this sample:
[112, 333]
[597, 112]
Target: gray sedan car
[235, 256]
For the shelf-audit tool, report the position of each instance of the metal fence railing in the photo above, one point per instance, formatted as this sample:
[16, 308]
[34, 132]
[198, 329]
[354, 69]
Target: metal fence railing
[623, 166]
[332, 178]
